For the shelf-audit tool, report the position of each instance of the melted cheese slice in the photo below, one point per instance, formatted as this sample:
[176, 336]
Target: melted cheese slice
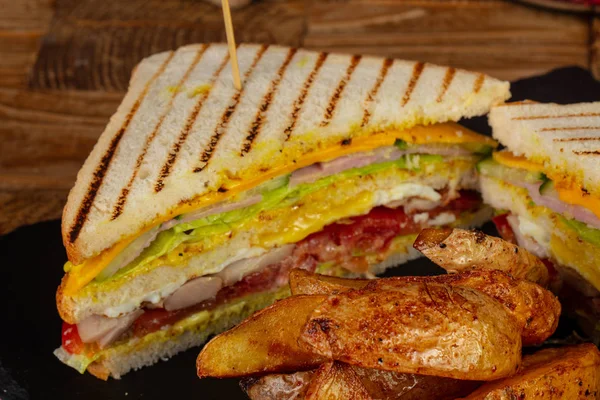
[447, 133]
[568, 191]
[510, 160]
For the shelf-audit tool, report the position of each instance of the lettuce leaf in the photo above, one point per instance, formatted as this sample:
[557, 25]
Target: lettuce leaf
[588, 234]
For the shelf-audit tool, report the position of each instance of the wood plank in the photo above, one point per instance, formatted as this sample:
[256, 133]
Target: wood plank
[25, 207]
[47, 136]
[504, 39]
[22, 25]
[94, 45]
[595, 47]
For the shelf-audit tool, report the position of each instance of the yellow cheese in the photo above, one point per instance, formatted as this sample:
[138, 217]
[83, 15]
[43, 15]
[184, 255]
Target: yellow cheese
[571, 193]
[510, 160]
[446, 133]
[568, 191]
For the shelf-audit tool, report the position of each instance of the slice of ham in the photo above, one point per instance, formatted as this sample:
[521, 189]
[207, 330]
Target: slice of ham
[320, 170]
[105, 330]
[236, 271]
[552, 201]
[194, 292]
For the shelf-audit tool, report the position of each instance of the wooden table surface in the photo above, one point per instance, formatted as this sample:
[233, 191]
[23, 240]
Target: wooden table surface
[65, 64]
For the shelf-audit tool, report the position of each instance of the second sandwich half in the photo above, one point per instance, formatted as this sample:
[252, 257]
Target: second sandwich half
[198, 199]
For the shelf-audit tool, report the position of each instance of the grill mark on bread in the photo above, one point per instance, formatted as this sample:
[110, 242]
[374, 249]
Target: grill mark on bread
[478, 84]
[118, 209]
[102, 167]
[446, 82]
[168, 165]
[225, 118]
[569, 128]
[528, 117]
[416, 73]
[303, 94]
[586, 152]
[387, 63]
[577, 139]
[266, 103]
[339, 90]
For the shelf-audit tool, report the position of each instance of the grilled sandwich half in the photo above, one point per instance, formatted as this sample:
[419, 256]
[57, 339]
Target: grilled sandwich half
[198, 199]
[546, 188]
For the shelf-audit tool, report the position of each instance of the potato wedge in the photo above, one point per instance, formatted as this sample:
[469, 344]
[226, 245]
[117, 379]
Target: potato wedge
[571, 372]
[304, 282]
[536, 309]
[458, 250]
[265, 342]
[421, 328]
[277, 386]
[381, 385]
[334, 380]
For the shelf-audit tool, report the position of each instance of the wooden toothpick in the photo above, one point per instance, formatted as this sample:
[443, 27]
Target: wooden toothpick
[235, 69]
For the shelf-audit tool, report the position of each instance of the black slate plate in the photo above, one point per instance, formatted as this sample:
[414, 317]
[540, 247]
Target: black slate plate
[32, 258]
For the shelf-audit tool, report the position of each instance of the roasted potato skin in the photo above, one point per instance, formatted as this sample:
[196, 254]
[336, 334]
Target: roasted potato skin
[571, 372]
[265, 342]
[381, 385]
[459, 250]
[384, 385]
[421, 328]
[536, 310]
[304, 282]
[277, 386]
[335, 380]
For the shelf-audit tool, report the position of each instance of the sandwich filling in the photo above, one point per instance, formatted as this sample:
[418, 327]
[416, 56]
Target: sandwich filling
[553, 218]
[347, 248]
[339, 216]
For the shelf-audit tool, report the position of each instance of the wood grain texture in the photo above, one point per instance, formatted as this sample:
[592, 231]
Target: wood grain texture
[595, 46]
[94, 45]
[45, 138]
[29, 206]
[22, 25]
[500, 38]
[65, 64]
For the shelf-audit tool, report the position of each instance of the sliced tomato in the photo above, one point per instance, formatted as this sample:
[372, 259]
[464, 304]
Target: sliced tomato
[504, 228]
[71, 341]
[152, 320]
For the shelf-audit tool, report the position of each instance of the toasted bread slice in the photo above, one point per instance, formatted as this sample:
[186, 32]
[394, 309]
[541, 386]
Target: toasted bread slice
[183, 132]
[564, 138]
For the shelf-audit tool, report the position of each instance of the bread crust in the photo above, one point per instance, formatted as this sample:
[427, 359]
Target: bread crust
[563, 137]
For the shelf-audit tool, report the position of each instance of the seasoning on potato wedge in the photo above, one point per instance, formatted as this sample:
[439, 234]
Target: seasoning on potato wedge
[333, 381]
[381, 385]
[265, 342]
[422, 328]
[459, 250]
[571, 372]
[535, 309]
[304, 282]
